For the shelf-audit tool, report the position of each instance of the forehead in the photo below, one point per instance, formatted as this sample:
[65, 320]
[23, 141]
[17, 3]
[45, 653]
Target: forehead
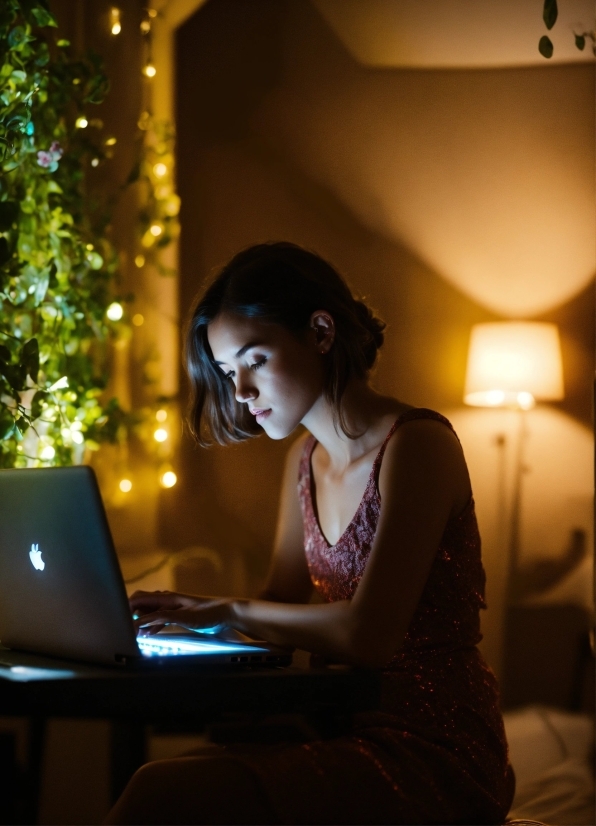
[228, 333]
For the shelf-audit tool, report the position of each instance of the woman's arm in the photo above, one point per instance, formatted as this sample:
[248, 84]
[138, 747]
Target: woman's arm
[423, 479]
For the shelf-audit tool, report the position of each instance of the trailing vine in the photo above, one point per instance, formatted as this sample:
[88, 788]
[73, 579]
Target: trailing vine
[56, 266]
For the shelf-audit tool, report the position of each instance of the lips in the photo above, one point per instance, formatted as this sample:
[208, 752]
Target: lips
[260, 413]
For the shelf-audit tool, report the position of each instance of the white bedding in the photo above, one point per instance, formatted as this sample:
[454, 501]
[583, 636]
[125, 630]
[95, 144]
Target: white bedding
[552, 753]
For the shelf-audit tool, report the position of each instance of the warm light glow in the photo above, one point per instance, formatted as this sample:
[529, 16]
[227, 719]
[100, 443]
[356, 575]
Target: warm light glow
[89, 247]
[110, 141]
[140, 261]
[125, 485]
[95, 162]
[155, 230]
[145, 27]
[152, 12]
[160, 434]
[513, 363]
[115, 24]
[161, 415]
[160, 169]
[526, 400]
[138, 320]
[168, 479]
[150, 70]
[82, 122]
[47, 453]
[115, 311]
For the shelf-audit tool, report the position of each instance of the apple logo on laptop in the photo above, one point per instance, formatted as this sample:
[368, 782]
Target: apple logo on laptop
[35, 557]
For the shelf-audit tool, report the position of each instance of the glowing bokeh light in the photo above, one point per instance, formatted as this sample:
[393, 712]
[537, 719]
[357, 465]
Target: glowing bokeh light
[115, 311]
[160, 434]
[125, 485]
[168, 479]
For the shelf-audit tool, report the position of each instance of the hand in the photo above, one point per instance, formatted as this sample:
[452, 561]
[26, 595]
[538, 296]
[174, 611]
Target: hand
[153, 610]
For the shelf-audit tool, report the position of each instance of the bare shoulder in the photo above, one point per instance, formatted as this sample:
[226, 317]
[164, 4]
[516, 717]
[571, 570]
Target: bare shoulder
[428, 451]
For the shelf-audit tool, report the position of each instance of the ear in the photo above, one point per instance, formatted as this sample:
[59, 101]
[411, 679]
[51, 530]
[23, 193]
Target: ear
[324, 330]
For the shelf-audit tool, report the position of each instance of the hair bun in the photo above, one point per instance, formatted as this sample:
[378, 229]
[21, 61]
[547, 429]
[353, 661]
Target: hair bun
[373, 327]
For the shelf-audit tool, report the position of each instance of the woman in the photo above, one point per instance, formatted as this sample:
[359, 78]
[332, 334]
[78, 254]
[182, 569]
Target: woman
[377, 515]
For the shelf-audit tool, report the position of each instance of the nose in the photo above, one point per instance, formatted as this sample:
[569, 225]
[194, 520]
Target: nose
[245, 391]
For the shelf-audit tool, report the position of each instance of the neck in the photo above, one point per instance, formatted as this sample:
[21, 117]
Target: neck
[364, 412]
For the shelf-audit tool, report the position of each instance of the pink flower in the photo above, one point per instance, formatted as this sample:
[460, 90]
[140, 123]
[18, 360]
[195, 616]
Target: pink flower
[49, 160]
[44, 159]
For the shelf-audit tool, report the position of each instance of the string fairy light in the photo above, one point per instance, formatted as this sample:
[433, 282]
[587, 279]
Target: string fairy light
[158, 224]
[115, 25]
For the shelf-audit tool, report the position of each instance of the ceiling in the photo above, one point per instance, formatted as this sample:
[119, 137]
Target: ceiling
[457, 33]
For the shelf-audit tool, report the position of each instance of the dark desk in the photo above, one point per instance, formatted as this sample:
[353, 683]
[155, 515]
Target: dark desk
[231, 703]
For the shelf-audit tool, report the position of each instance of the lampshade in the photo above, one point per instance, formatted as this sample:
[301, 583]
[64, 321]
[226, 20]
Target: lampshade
[513, 363]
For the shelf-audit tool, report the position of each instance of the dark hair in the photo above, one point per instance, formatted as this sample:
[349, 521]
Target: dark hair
[284, 284]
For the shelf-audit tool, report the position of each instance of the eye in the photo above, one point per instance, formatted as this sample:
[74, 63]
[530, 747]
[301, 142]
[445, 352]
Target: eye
[229, 375]
[258, 364]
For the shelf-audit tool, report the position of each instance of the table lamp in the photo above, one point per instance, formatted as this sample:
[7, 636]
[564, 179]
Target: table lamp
[514, 364]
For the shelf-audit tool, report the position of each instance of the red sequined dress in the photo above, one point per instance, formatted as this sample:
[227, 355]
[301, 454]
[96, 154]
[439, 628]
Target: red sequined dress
[435, 751]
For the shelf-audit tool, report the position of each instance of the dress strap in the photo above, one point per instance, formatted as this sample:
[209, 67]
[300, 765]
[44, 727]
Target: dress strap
[406, 416]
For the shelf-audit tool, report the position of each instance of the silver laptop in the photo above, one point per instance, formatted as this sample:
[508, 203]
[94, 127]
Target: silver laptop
[61, 588]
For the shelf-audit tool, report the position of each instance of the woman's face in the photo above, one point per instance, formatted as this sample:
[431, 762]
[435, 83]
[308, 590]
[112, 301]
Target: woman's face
[279, 376]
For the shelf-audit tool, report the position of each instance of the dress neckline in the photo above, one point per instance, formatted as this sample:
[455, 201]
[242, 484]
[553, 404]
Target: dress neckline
[412, 412]
[371, 481]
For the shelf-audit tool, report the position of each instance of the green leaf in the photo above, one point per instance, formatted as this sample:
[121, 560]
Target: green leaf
[41, 287]
[9, 211]
[30, 357]
[36, 408]
[580, 41]
[6, 427]
[545, 46]
[17, 37]
[4, 251]
[43, 17]
[550, 13]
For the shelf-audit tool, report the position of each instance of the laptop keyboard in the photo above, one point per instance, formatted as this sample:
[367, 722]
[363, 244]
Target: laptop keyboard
[170, 646]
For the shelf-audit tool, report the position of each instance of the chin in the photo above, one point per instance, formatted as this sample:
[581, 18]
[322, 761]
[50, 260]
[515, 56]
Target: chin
[277, 431]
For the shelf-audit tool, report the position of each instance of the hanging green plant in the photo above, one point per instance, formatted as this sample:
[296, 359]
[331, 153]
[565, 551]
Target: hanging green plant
[56, 265]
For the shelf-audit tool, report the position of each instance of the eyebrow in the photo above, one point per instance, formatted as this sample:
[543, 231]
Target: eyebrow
[243, 350]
